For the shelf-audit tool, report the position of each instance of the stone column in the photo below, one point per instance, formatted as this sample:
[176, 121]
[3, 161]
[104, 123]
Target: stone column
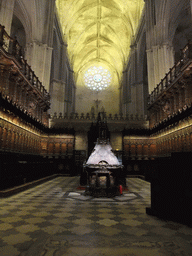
[160, 58]
[6, 14]
[140, 99]
[39, 50]
[70, 91]
[123, 94]
[132, 80]
[57, 96]
[73, 98]
[39, 56]
[132, 104]
[160, 55]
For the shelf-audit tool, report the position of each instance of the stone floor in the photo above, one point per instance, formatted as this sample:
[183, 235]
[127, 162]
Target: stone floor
[55, 219]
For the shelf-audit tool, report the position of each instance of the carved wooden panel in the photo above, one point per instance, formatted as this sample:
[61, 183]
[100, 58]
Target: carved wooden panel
[139, 150]
[63, 148]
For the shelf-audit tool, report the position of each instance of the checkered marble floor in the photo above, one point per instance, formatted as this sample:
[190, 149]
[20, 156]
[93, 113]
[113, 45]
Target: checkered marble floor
[55, 219]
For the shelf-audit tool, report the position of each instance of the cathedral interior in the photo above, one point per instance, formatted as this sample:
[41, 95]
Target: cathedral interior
[67, 69]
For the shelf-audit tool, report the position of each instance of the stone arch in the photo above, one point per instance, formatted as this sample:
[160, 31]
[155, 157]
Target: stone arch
[142, 72]
[55, 57]
[163, 18]
[180, 28]
[18, 32]
[22, 20]
[42, 21]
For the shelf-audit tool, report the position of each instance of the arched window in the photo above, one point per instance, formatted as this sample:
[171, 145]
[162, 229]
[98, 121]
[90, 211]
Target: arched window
[97, 78]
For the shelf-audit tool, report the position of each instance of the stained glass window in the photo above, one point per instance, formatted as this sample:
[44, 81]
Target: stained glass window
[97, 78]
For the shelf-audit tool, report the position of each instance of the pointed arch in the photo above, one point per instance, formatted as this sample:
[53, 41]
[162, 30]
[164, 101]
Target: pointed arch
[21, 12]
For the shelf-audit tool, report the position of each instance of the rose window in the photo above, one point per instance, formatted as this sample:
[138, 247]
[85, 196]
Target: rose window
[97, 78]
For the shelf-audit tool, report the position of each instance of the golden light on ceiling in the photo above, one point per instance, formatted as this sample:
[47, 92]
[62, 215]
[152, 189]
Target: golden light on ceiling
[99, 33]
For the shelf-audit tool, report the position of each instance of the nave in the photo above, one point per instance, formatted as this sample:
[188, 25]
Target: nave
[55, 219]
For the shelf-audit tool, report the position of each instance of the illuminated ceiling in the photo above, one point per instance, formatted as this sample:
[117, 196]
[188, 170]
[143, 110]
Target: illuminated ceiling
[99, 33]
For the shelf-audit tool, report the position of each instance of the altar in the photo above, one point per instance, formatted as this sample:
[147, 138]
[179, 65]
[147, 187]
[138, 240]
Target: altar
[104, 172]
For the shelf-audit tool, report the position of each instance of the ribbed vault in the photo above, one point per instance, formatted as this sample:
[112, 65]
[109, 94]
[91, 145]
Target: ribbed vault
[99, 32]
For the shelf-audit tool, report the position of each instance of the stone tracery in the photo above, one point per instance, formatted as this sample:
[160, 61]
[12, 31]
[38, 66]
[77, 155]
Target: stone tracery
[97, 78]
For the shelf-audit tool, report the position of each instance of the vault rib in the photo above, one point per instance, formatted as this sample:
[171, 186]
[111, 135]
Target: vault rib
[98, 27]
[99, 31]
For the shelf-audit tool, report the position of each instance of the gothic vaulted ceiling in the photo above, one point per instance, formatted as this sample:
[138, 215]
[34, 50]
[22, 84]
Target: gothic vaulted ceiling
[99, 32]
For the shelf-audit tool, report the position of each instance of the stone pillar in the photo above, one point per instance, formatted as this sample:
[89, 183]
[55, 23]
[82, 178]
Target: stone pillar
[150, 65]
[70, 91]
[39, 56]
[132, 80]
[132, 104]
[39, 50]
[123, 93]
[6, 14]
[160, 55]
[140, 99]
[133, 61]
[57, 96]
[160, 58]
[73, 98]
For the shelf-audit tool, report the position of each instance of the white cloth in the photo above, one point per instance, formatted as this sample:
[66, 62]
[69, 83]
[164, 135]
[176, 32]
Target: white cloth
[103, 152]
